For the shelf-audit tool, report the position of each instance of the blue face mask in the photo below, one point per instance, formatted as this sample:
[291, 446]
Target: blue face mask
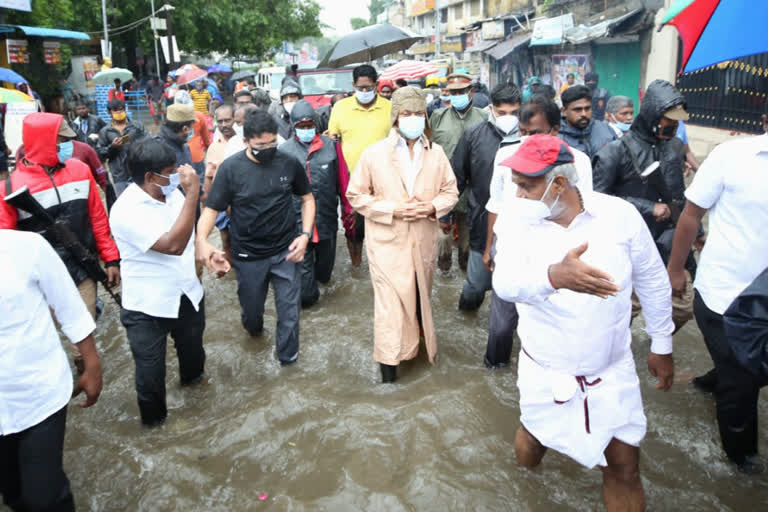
[624, 127]
[411, 126]
[191, 134]
[364, 98]
[305, 135]
[65, 151]
[173, 183]
[460, 102]
[445, 99]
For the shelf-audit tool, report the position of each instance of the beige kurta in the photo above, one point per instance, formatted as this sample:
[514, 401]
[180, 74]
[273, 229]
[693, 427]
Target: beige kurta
[401, 255]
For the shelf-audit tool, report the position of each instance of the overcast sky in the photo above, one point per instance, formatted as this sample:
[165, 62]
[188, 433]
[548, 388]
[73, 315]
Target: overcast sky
[337, 14]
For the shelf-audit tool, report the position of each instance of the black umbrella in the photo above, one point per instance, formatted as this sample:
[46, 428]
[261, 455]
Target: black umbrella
[243, 74]
[367, 44]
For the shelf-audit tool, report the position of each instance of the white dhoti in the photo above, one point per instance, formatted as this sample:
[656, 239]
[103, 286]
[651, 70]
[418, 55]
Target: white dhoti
[579, 415]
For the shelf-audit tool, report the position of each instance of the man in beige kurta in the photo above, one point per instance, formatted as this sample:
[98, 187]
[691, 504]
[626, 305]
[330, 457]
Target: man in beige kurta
[401, 185]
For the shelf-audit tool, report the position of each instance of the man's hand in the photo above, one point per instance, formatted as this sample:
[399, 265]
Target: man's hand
[415, 210]
[113, 275]
[663, 367]
[661, 212]
[218, 263]
[297, 249]
[117, 142]
[487, 260]
[678, 280]
[446, 227]
[90, 382]
[188, 179]
[573, 274]
[211, 168]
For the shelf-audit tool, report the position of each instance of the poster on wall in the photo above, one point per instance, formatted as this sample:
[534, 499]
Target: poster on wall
[18, 5]
[14, 117]
[562, 65]
[52, 52]
[18, 51]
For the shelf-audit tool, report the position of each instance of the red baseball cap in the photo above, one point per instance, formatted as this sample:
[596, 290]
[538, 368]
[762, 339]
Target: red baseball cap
[538, 155]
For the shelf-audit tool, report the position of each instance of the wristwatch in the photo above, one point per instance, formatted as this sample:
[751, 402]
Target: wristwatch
[309, 235]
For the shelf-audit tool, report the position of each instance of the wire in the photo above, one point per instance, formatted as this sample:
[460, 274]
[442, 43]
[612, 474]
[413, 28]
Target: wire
[130, 26]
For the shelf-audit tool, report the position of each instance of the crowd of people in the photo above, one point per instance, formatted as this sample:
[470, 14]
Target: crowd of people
[575, 225]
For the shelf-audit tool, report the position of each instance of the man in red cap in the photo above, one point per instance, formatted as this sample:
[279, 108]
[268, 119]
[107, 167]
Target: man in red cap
[570, 260]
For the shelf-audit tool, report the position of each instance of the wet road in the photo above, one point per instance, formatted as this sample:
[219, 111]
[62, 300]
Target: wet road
[326, 435]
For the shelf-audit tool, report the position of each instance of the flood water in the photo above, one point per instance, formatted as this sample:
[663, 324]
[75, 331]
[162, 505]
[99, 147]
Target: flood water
[324, 434]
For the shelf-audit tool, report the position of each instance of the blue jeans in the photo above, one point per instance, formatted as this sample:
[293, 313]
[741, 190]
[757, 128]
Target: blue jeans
[478, 282]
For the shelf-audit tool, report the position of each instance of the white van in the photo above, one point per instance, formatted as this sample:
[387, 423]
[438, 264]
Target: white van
[270, 79]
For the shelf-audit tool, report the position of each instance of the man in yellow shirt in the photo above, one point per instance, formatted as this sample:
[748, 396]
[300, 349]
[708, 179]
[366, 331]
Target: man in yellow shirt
[201, 98]
[357, 122]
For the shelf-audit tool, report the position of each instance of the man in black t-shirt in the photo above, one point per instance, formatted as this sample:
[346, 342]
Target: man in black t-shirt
[258, 185]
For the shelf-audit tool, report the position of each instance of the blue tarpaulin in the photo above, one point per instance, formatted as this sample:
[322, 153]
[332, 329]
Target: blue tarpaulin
[52, 32]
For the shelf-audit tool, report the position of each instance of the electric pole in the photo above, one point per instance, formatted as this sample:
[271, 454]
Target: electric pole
[153, 21]
[171, 54]
[106, 52]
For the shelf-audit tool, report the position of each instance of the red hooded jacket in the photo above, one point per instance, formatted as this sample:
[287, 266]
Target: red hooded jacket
[68, 191]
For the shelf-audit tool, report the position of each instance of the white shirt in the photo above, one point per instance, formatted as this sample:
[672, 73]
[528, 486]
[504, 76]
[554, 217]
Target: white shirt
[411, 167]
[35, 379]
[153, 282]
[732, 183]
[576, 333]
[502, 188]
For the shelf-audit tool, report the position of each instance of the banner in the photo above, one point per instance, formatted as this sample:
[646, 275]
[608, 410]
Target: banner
[18, 51]
[18, 5]
[14, 117]
[563, 65]
[52, 52]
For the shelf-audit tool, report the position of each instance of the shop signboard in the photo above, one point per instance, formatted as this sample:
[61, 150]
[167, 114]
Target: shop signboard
[18, 51]
[52, 52]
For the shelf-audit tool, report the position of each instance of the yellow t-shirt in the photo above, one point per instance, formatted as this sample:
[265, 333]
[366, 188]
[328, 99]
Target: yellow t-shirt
[200, 100]
[359, 127]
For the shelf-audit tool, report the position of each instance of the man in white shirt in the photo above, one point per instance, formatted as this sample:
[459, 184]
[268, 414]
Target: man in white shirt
[153, 224]
[731, 185]
[35, 378]
[570, 261]
[539, 115]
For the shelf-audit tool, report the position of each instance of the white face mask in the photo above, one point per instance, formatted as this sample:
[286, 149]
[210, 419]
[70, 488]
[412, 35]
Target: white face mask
[536, 210]
[238, 129]
[411, 126]
[289, 106]
[507, 124]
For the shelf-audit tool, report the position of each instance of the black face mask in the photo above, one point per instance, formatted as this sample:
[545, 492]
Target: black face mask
[667, 131]
[592, 85]
[264, 156]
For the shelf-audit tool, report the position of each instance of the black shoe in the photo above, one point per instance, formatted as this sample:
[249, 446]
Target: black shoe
[752, 465]
[494, 366]
[193, 381]
[388, 373]
[707, 382]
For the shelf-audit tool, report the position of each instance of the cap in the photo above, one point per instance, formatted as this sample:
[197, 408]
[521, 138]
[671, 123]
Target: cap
[677, 113]
[538, 155]
[181, 113]
[290, 87]
[65, 130]
[459, 81]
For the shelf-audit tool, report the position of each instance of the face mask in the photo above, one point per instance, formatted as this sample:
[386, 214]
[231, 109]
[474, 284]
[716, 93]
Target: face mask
[364, 98]
[534, 210]
[305, 135]
[264, 156]
[411, 127]
[289, 106]
[445, 99]
[624, 127]
[65, 151]
[173, 183]
[507, 124]
[190, 135]
[119, 116]
[460, 102]
[667, 131]
[592, 86]
[238, 129]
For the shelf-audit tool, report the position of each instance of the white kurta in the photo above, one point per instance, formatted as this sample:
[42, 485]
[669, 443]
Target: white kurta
[577, 379]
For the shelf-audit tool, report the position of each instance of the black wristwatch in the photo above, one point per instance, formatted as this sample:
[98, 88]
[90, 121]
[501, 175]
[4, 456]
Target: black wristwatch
[309, 235]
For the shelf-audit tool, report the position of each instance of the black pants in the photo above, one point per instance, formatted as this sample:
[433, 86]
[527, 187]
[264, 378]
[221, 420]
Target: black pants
[317, 267]
[32, 477]
[502, 323]
[148, 336]
[737, 389]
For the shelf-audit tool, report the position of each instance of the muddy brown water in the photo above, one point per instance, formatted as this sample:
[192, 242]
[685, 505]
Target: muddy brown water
[326, 435]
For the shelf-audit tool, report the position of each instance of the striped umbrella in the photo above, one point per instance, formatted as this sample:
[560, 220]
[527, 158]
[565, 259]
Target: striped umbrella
[408, 70]
[13, 96]
[190, 76]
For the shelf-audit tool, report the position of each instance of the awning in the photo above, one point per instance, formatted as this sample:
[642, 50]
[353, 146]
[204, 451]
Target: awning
[47, 32]
[551, 31]
[485, 45]
[605, 27]
[504, 48]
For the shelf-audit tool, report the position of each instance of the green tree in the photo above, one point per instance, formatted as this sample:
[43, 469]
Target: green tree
[376, 7]
[358, 23]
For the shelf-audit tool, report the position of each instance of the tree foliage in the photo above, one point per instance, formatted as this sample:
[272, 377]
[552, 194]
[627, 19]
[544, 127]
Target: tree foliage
[376, 7]
[358, 23]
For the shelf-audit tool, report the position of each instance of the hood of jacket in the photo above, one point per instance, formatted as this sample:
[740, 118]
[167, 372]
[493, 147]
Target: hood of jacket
[173, 138]
[302, 110]
[660, 97]
[39, 133]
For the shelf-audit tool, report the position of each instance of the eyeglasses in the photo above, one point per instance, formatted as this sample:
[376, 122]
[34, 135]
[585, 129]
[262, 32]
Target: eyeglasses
[365, 88]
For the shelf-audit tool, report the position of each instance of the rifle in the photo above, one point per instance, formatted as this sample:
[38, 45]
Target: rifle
[61, 231]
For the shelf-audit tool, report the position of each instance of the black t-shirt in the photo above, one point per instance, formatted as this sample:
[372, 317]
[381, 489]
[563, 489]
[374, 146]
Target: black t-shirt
[261, 196]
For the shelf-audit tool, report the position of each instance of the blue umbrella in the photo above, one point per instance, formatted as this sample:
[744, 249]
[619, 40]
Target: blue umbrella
[219, 68]
[9, 75]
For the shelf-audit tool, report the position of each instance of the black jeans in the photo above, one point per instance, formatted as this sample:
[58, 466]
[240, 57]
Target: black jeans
[148, 336]
[737, 389]
[502, 323]
[317, 267]
[31, 473]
